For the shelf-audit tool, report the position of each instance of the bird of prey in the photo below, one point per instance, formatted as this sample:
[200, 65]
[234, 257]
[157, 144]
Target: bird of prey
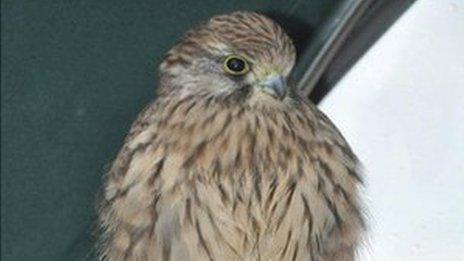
[229, 162]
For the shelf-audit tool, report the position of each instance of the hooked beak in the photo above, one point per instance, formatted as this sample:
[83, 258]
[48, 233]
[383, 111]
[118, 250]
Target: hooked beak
[275, 85]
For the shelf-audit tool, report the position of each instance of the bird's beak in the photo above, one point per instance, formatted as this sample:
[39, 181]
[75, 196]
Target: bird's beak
[275, 85]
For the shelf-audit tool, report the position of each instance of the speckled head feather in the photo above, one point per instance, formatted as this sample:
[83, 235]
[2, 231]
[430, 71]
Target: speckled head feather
[226, 166]
[202, 50]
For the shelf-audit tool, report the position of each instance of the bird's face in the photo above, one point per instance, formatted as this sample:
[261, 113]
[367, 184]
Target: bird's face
[240, 55]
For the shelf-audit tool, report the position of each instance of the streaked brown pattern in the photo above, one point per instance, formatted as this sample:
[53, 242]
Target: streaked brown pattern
[215, 169]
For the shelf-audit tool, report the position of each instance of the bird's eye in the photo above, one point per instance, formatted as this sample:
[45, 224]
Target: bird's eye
[236, 65]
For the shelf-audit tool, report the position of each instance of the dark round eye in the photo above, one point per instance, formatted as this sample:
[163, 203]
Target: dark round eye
[236, 65]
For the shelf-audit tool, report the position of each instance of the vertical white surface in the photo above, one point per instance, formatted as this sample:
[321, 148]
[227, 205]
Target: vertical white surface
[402, 110]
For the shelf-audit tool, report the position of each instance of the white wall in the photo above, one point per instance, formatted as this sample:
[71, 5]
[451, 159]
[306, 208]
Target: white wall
[402, 109]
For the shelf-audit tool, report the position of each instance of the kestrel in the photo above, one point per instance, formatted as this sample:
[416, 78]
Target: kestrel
[229, 163]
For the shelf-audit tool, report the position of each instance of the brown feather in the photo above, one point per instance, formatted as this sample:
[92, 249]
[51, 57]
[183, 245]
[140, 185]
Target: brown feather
[216, 173]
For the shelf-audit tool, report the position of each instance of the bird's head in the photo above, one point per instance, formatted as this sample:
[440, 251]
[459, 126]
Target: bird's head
[239, 55]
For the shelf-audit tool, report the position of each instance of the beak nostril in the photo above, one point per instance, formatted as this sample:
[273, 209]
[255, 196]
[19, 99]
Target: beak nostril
[275, 85]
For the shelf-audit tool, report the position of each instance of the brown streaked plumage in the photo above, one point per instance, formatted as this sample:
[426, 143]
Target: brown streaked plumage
[231, 167]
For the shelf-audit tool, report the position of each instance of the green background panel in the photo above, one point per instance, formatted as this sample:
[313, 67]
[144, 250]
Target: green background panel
[74, 76]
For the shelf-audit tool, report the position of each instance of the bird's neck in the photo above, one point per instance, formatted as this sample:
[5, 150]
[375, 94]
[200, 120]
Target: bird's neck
[239, 135]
